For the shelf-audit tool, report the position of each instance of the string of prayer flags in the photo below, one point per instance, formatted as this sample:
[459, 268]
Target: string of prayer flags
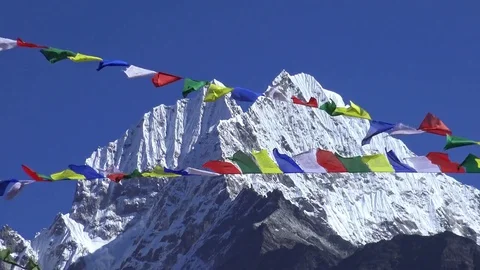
[162, 79]
[54, 55]
[111, 63]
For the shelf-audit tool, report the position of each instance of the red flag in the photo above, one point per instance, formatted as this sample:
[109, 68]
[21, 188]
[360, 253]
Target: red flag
[162, 79]
[222, 167]
[329, 161]
[116, 177]
[21, 43]
[442, 161]
[432, 124]
[32, 173]
[311, 103]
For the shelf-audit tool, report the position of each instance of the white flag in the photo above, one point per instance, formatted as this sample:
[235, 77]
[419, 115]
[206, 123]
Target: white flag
[6, 44]
[134, 72]
[308, 162]
[422, 164]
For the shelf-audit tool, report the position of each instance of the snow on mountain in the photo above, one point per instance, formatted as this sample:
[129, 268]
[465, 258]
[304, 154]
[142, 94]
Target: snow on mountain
[207, 222]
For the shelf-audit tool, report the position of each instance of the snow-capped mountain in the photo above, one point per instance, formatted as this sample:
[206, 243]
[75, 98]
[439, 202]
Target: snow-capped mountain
[247, 221]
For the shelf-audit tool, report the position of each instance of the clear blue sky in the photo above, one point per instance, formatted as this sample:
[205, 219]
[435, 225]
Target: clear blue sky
[398, 60]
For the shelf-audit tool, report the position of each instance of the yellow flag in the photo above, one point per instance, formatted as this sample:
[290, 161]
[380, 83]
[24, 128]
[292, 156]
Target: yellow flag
[67, 174]
[158, 171]
[353, 111]
[215, 92]
[84, 58]
[266, 164]
[378, 163]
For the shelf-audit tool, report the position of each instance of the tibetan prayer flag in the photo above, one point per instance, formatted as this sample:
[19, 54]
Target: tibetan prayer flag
[222, 167]
[67, 175]
[242, 94]
[376, 127]
[245, 162]
[190, 86]
[397, 165]
[312, 102]
[135, 72]
[111, 63]
[162, 79]
[7, 44]
[471, 164]
[432, 124]
[135, 174]
[54, 55]
[377, 163]
[178, 172]
[422, 164]
[442, 161]
[266, 164]
[329, 107]
[159, 171]
[16, 188]
[308, 162]
[330, 161]
[86, 170]
[78, 58]
[215, 92]
[193, 171]
[286, 163]
[4, 184]
[353, 164]
[116, 177]
[353, 111]
[21, 43]
[454, 141]
[34, 175]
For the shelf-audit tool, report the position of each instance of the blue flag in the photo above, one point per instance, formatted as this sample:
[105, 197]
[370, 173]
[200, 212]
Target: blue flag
[376, 127]
[242, 94]
[86, 170]
[397, 165]
[286, 163]
[112, 63]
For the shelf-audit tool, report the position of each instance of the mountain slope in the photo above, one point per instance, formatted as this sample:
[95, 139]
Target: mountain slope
[442, 251]
[178, 223]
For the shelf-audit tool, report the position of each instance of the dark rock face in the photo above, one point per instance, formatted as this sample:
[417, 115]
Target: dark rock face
[442, 251]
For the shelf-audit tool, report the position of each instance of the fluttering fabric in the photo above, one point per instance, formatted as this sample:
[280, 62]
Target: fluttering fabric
[353, 111]
[221, 167]
[159, 171]
[21, 43]
[434, 125]
[7, 44]
[242, 94]
[266, 164]
[67, 175]
[471, 164]
[215, 92]
[86, 171]
[54, 55]
[79, 58]
[397, 165]
[286, 163]
[312, 102]
[455, 141]
[308, 162]
[190, 86]
[135, 72]
[16, 188]
[378, 127]
[111, 63]
[245, 162]
[162, 79]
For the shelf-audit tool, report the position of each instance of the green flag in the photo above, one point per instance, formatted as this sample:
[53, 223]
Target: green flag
[471, 164]
[191, 86]
[353, 164]
[246, 163]
[329, 107]
[454, 141]
[134, 174]
[54, 55]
